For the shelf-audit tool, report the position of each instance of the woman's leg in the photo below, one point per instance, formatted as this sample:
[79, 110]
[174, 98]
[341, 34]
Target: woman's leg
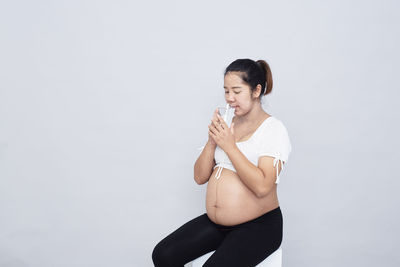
[248, 244]
[193, 239]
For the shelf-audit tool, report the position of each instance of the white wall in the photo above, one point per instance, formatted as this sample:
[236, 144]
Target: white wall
[103, 105]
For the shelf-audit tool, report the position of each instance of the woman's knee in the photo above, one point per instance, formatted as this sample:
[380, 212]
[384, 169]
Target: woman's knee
[163, 255]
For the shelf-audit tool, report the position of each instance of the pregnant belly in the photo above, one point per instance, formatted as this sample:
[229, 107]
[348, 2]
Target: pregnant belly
[229, 201]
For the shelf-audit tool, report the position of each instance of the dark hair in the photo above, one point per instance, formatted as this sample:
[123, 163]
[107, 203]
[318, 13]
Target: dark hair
[253, 73]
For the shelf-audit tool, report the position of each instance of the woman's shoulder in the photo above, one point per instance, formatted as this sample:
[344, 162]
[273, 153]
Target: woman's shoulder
[274, 127]
[275, 138]
[274, 122]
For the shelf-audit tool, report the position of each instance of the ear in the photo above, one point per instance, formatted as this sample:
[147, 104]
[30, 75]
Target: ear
[257, 91]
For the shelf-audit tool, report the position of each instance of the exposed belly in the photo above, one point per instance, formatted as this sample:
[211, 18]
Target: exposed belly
[229, 201]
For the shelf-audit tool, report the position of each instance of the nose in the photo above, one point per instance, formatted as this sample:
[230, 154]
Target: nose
[229, 98]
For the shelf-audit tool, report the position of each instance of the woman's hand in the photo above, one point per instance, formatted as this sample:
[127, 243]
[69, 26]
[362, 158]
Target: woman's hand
[210, 139]
[220, 133]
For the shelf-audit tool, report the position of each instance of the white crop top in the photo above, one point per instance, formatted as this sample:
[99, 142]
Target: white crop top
[270, 139]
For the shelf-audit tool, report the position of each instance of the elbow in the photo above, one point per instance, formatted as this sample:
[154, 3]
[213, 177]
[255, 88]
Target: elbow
[200, 177]
[197, 181]
[196, 176]
[263, 193]
[265, 188]
[200, 181]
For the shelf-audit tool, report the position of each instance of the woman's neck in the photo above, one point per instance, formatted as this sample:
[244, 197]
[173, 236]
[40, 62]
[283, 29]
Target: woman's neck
[253, 116]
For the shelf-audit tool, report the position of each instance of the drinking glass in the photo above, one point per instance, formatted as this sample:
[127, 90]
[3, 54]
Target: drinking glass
[226, 113]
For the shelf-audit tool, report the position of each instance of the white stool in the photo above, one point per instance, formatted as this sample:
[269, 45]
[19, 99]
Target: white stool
[273, 260]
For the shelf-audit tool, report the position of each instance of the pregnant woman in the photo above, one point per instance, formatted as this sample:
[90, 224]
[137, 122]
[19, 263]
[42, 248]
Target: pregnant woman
[241, 165]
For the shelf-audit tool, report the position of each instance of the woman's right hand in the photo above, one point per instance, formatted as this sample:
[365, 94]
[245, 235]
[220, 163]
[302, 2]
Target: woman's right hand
[215, 118]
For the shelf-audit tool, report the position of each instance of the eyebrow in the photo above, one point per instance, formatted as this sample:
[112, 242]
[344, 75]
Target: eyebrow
[233, 87]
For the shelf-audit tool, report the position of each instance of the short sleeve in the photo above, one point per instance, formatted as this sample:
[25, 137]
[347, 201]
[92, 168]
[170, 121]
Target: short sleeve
[275, 142]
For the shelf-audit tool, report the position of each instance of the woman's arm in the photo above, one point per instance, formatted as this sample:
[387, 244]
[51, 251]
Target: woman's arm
[249, 174]
[204, 164]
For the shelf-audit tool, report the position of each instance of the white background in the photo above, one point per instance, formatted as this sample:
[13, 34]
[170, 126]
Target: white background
[103, 105]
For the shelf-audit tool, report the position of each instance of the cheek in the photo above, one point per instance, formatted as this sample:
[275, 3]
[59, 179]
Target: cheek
[244, 103]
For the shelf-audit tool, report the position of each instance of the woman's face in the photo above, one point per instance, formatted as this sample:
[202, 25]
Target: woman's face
[238, 94]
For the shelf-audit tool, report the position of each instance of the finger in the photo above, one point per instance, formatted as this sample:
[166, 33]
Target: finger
[215, 118]
[220, 118]
[210, 131]
[215, 124]
[215, 113]
[213, 129]
[223, 123]
[219, 127]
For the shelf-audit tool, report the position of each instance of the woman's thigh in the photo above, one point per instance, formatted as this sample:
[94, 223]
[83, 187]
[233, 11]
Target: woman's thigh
[191, 240]
[250, 243]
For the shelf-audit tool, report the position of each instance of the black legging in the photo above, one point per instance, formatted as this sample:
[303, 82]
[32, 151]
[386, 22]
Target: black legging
[241, 245]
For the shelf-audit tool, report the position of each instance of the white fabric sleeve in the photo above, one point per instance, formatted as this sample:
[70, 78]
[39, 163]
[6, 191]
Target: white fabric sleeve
[275, 142]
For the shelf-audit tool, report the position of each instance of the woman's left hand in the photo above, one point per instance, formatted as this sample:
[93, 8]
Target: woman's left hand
[221, 133]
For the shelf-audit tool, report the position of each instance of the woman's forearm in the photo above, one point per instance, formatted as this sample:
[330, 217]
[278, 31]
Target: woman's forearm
[250, 174]
[204, 164]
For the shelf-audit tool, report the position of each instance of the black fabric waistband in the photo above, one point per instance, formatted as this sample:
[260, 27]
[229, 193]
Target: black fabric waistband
[266, 216]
